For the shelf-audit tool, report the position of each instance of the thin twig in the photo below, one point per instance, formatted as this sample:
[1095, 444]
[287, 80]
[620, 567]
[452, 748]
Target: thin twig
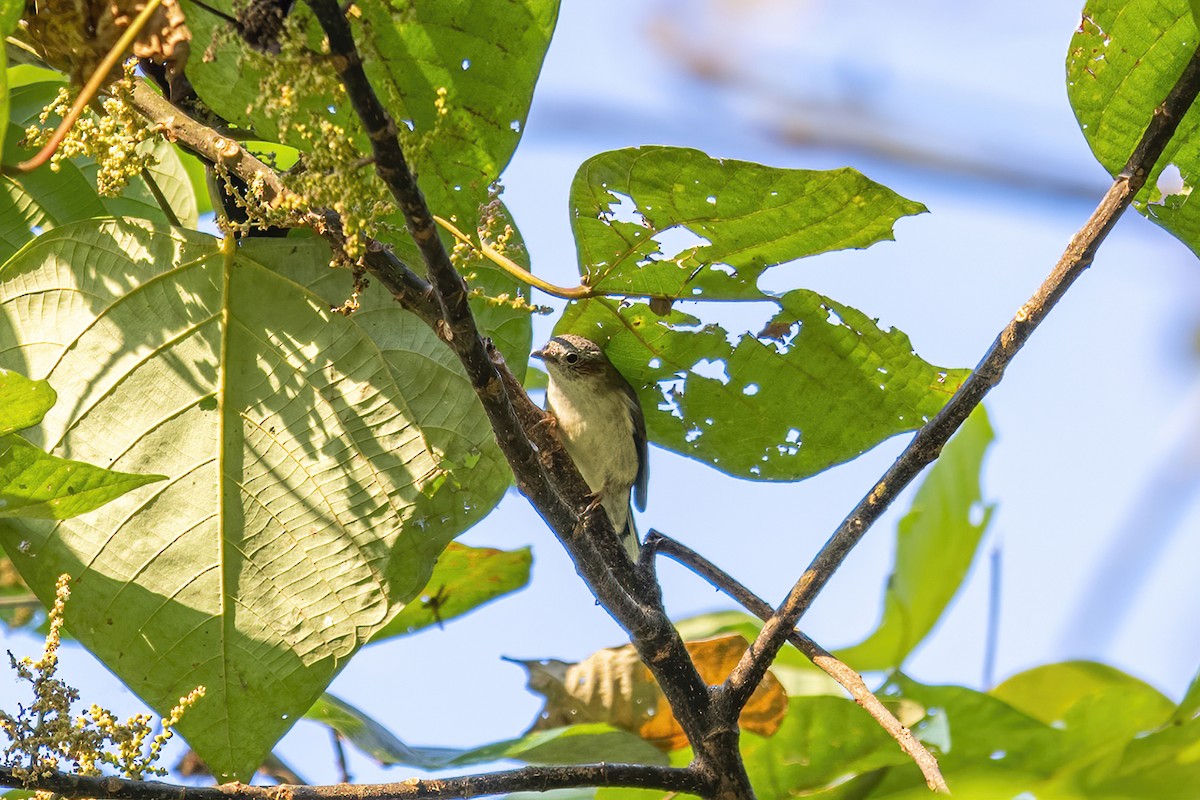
[527, 779]
[339, 754]
[992, 634]
[929, 440]
[513, 268]
[89, 90]
[851, 681]
[411, 290]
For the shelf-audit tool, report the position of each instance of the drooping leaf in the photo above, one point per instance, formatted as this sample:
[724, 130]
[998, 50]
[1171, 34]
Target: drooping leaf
[935, 545]
[37, 485]
[315, 470]
[1123, 59]
[569, 745]
[613, 686]
[630, 208]
[823, 383]
[23, 402]
[463, 579]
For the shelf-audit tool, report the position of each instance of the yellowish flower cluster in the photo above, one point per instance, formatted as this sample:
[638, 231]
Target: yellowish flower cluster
[44, 737]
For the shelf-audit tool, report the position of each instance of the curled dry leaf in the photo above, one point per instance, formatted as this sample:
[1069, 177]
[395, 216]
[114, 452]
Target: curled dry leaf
[615, 687]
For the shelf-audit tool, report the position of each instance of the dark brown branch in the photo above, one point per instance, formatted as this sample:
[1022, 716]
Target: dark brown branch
[850, 680]
[929, 440]
[559, 495]
[411, 290]
[527, 779]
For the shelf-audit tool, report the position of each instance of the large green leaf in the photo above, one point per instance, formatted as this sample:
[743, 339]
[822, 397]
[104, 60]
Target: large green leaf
[1123, 59]
[463, 579]
[23, 402]
[630, 207]
[577, 744]
[822, 382]
[317, 465]
[935, 545]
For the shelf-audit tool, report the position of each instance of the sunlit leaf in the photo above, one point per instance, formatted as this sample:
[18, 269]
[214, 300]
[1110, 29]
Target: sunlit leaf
[317, 465]
[935, 545]
[457, 76]
[675, 223]
[36, 485]
[822, 382]
[23, 402]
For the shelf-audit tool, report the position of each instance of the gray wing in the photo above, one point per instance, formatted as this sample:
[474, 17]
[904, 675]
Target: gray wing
[642, 481]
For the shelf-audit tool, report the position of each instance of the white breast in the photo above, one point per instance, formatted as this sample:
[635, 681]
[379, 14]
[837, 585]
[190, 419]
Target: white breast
[597, 431]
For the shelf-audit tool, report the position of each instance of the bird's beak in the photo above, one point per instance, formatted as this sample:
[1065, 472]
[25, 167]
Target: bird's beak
[539, 354]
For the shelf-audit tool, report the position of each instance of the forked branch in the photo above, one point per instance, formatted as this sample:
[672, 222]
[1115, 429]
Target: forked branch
[850, 680]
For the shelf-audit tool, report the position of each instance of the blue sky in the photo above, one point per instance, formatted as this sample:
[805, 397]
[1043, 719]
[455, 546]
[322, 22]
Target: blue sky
[962, 107]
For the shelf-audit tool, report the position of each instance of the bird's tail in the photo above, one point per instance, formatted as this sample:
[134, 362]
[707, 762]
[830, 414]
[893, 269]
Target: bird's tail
[629, 538]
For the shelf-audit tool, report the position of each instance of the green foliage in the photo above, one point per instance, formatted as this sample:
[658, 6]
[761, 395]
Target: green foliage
[23, 402]
[42, 199]
[313, 475]
[1125, 57]
[823, 382]
[463, 579]
[10, 15]
[627, 204]
[36, 485]
[935, 545]
[577, 744]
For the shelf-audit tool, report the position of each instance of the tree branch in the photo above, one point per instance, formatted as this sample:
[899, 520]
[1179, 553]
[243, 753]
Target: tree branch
[929, 440]
[557, 495]
[411, 290]
[851, 681]
[527, 779]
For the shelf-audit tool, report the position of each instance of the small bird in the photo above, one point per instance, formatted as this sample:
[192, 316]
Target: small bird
[602, 427]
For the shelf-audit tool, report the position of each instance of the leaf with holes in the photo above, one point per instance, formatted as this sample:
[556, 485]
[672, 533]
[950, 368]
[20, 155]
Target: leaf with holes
[1123, 60]
[673, 222]
[316, 465]
[822, 382]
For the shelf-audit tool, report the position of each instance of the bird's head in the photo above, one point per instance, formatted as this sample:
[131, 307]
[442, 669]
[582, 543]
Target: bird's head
[573, 357]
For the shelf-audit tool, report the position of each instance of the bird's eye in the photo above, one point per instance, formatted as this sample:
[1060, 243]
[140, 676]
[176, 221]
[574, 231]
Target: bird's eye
[571, 358]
